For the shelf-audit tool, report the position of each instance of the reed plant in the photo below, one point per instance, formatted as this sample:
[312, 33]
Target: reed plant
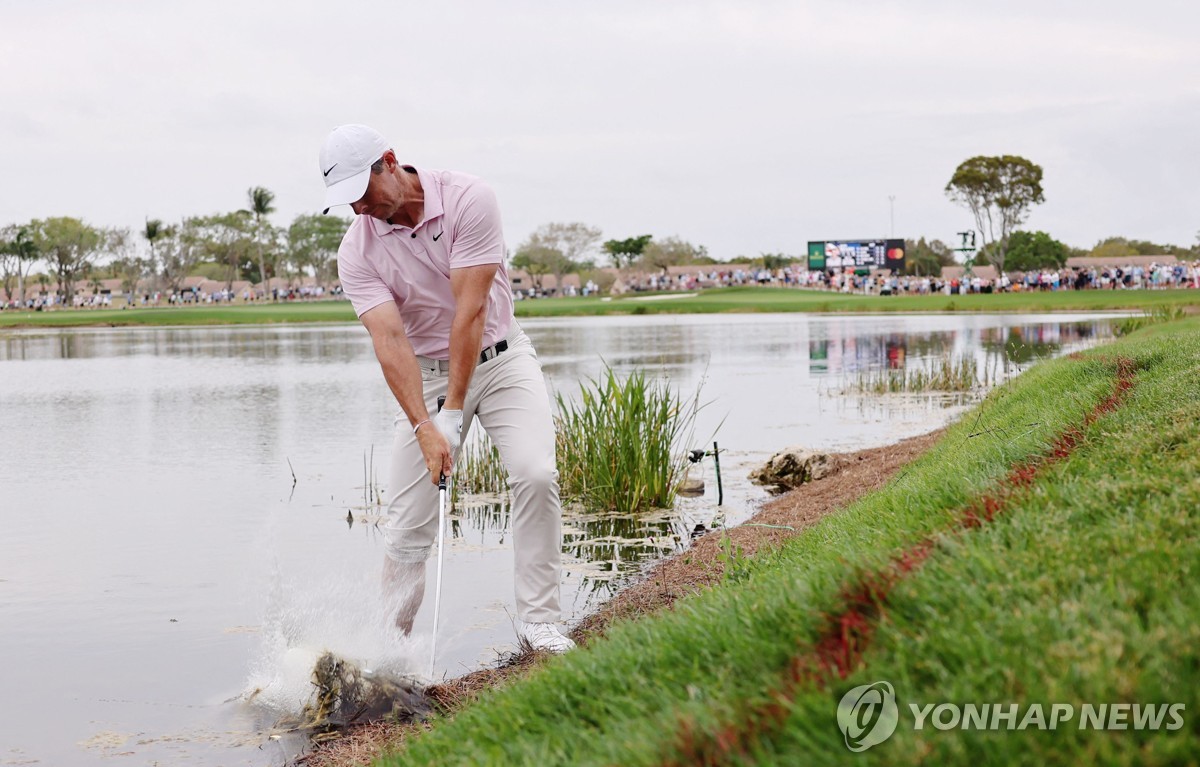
[620, 447]
[1151, 316]
[949, 374]
[479, 469]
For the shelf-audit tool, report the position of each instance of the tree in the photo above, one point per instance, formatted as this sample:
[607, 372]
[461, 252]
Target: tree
[999, 191]
[313, 242]
[18, 253]
[178, 250]
[625, 252]
[1147, 248]
[227, 238]
[1113, 247]
[10, 265]
[1030, 251]
[69, 247]
[153, 231]
[770, 261]
[126, 265]
[672, 251]
[926, 258]
[556, 249]
[264, 234]
[536, 261]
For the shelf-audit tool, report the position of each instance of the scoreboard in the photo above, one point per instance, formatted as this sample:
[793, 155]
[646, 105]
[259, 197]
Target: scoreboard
[856, 254]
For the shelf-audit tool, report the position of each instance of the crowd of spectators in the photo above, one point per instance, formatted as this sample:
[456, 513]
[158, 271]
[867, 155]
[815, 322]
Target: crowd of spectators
[1127, 277]
[1153, 276]
[38, 299]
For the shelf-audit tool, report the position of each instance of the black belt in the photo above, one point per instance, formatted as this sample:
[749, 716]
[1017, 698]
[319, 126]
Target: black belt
[493, 351]
[443, 366]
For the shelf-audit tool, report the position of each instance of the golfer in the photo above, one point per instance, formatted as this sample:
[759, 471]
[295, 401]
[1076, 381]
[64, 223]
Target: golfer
[423, 265]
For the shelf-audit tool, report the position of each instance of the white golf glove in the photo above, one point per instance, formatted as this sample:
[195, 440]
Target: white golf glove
[449, 423]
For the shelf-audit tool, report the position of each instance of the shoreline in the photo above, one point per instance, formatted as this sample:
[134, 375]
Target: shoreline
[682, 575]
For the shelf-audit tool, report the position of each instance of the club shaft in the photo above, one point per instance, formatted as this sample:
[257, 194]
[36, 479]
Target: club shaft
[437, 591]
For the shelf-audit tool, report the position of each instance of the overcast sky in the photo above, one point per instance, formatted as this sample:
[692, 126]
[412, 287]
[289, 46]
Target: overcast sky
[744, 126]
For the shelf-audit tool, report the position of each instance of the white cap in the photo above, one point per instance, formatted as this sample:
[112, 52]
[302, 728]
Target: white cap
[346, 159]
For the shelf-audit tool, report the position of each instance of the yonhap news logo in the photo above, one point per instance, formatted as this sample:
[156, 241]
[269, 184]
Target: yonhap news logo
[868, 715]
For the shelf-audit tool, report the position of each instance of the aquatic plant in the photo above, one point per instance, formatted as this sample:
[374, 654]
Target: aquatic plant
[479, 469]
[946, 375]
[1165, 313]
[372, 490]
[620, 447]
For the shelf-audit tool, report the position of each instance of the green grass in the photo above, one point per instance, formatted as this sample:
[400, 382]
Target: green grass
[1084, 590]
[755, 299]
[248, 314]
[747, 299]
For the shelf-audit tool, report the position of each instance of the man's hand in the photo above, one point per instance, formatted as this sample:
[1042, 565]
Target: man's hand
[449, 423]
[439, 456]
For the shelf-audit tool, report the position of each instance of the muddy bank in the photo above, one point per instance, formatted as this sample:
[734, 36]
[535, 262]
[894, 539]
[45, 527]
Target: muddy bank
[855, 475]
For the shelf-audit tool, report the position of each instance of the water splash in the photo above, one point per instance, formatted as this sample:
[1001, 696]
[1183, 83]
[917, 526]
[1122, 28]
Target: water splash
[314, 613]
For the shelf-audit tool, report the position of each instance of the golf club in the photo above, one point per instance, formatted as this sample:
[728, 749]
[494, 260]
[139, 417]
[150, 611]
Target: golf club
[437, 591]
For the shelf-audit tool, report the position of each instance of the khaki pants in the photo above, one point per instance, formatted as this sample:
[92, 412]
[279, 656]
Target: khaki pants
[508, 395]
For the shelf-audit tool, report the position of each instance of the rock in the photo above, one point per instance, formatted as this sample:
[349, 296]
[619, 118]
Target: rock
[792, 467]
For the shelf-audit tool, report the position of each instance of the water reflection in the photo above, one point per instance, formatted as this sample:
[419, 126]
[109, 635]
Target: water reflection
[832, 351]
[255, 343]
[599, 549]
[1024, 344]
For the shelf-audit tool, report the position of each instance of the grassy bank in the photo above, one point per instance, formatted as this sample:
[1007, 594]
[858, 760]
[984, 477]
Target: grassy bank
[1045, 551]
[741, 300]
[241, 314]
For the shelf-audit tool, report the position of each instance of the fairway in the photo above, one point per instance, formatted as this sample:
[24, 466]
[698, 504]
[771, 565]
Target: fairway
[248, 314]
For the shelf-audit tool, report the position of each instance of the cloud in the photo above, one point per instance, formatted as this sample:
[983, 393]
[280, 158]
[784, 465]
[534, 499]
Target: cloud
[746, 127]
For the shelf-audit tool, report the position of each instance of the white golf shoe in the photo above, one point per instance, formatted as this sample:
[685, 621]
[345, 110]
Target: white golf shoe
[546, 636]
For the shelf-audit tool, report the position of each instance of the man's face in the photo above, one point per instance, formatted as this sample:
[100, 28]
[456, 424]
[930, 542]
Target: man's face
[383, 196]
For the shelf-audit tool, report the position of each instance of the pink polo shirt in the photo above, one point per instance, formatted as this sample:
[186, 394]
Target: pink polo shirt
[380, 262]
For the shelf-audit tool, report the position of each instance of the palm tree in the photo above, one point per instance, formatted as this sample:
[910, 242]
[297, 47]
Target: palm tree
[25, 248]
[260, 207]
[154, 231]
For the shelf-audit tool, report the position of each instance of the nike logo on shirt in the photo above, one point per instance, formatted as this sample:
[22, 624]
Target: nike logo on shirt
[439, 234]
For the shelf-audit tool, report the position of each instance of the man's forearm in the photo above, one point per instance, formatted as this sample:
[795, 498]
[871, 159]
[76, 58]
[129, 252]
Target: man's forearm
[403, 376]
[466, 340]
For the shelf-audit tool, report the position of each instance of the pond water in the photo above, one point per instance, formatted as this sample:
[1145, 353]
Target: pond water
[183, 506]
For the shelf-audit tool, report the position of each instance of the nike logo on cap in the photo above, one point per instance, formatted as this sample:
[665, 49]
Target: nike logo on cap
[331, 167]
